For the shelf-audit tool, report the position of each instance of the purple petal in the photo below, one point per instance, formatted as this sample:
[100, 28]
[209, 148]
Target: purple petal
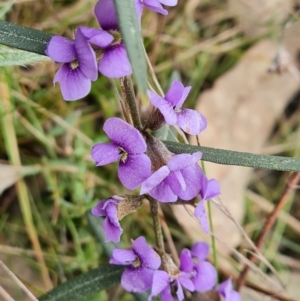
[137, 279]
[186, 282]
[125, 135]
[169, 2]
[86, 56]
[61, 50]
[226, 291]
[176, 94]
[98, 37]
[186, 261]
[206, 276]
[179, 291]
[139, 5]
[160, 282]
[73, 83]
[173, 181]
[134, 171]
[115, 62]
[106, 14]
[201, 215]
[164, 107]
[200, 250]
[156, 178]
[122, 257]
[112, 232]
[163, 193]
[179, 162]
[191, 121]
[98, 209]
[148, 257]
[166, 294]
[209, 189]
[105, 153]
[155, 6]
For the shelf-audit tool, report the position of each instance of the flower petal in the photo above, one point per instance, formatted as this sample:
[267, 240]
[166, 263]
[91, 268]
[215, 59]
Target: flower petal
[164, 106]
[201, 215]
[125, 135]
[112, 231]
[163, 193]
[61, 50]
[200, 250]
[160, 282]
[106, 14]
[134, 171]
[226, 291]
[176, 93]
[105, 153]
[166, 294]
[122, 257]
[186, 261]
[98, 210]
[209, 189]
[137, 279]
[206, 276]
[191, 121]
[115, 62]
[186, 282]
[73, 83]
[169, 2]
[155, 6]
[86, 56]
[98, 37]
[156, 178]
[179, 291]
[181, 161]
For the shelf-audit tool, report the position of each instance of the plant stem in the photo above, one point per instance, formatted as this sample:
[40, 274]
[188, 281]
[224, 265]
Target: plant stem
[129, 96]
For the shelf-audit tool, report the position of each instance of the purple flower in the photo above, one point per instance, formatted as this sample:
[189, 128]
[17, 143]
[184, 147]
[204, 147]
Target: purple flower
[189, 120]
[142, 261]
[79, 65]
[114, 62]
[111, 225]
[128, 147]
[209, 190]
[179, 178]
[155, 5]
[202, 273]
[225, 290]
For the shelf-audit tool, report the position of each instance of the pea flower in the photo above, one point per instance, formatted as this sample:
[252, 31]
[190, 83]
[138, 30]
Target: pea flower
[155, 5]
[114, 62]
[179, 178]
[209, 190]
[127, 146]
[79, 66]
[111, 225]
[188, 120]
[226, 292]
[141, 262]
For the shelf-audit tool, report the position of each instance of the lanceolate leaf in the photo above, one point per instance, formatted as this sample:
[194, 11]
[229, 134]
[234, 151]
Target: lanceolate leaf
[227, 157]
[131, 33]
[23, 38]
[16, 57]
[86, 284]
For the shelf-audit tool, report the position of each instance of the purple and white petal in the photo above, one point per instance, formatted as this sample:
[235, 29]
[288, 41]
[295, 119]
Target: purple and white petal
[61, 50]
[160, 282]
[155, 179]
[86, 56]
[125, 135]
[73, 83]
[191, 121]
[169, 2]
[115, 62]
[200, 250]
[163, 193]
[134, 171]
[186, 261]
[147, 256]
[164, 107]
[186, 282]
[122, 257]
[137, 280]
[106, 15]
[181, 161]
[155, 6]
[105, 153]
[200, 214]
[206, 276]
[176, 93]
[98, 37]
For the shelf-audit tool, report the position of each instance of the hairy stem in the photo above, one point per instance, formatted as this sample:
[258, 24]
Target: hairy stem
[129, 97]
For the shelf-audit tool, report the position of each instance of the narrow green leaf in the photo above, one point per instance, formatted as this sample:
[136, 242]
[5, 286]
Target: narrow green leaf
[227, 157]
[16, 57]
[86, 284]
[24, 38]
[131, 33]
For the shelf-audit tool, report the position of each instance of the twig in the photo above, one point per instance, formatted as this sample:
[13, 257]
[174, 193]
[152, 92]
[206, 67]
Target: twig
[294, 178]
[5, 294]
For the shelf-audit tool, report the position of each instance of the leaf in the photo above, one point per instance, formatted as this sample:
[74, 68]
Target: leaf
[24, 38]
[131, 33]
[16, 57]
[227, 157]
[86, 284]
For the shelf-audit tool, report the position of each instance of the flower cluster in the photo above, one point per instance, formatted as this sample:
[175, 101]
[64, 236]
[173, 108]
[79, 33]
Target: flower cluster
[144, 161]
